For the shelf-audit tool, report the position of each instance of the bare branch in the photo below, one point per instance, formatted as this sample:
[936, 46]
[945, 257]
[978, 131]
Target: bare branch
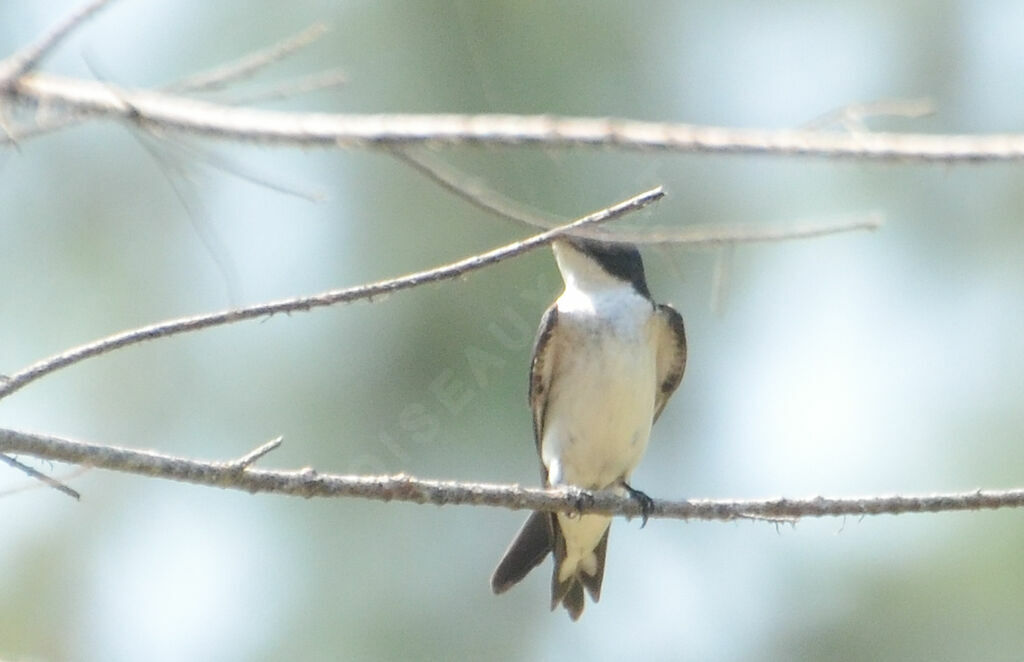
[308, 483]
[215, 79]
[37, 484]
[493, 202]
[196, 117]
[25, 60]
[724, 235]
[472, 190]
[234, 169]
[287, 89]
[40, 476]
[851, 117]
[331, 297]
[248, 65]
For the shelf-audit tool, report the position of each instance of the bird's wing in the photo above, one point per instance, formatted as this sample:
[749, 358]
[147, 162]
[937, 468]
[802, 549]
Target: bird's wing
[671, 356]
[535, 539]
[540, 372]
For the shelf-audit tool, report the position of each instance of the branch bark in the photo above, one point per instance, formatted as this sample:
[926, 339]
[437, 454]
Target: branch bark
[239, 475]
[25, 60]
[168, 112]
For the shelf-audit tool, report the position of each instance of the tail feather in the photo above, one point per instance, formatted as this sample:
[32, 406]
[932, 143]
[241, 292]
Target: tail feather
[530, 546]
[570, 592]
[539, 535]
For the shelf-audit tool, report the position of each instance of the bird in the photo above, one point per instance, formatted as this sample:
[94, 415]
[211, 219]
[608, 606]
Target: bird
[605, 361]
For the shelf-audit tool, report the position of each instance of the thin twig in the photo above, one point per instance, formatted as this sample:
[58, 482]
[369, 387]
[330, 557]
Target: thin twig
[309, 483]
[40, 476]
[247, 65]
[285, 90]
[25, 60]
[218, 78]
[729, 235]
[388, 131]
[250, 458]
[493, 202]
[37, 484]
[331, 297]
[184, 190]
[242, 172]
[472, 190]
[851, 117]
[15, 134]
[720, 278]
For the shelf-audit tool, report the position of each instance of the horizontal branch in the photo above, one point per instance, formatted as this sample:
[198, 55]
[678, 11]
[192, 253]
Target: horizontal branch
[163, 111]
[239, 475]
[44, 367]
[169, 111]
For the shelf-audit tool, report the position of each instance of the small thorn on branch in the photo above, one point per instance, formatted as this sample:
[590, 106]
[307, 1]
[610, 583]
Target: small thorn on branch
[250, 458]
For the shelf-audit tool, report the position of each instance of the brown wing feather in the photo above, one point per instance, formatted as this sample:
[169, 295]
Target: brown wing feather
[671, 358]
[540, 374]
[536, 538]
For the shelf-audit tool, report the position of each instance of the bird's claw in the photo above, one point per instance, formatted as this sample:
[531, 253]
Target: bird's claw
[581, 499]
[646, 503]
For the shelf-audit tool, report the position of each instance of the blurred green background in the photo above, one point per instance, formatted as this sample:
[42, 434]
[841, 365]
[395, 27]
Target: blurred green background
[851, 365]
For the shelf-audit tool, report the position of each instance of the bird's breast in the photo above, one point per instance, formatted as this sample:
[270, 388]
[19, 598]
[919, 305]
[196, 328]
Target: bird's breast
[601, 400]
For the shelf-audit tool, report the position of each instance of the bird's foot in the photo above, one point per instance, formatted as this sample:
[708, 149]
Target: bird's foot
[646, 502]
[581, 499]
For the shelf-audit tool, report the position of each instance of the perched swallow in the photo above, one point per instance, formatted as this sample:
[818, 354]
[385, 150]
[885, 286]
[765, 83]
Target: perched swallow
[605, 362]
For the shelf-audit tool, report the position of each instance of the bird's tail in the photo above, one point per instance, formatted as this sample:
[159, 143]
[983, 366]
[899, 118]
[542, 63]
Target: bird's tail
[569, 591]
[540, 535]
[530, 546]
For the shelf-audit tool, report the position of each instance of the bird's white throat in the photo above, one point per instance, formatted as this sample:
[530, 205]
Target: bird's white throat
[582, 271]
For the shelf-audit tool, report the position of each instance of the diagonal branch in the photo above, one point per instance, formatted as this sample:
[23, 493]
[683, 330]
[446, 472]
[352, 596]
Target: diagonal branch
[248, 64]
[37, 483]
[40, 476]
[331, 297]
[493, 202]
[15, 66]
[169, 112]
[471, 190]
[308, 483]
